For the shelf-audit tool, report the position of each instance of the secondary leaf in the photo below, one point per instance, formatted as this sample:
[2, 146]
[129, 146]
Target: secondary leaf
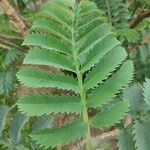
[60, 135]
[111, 115]
[102, 48]
[126, 141]
[135, 97]
[106, 91]
[7, 80]
[45, 57]
[105, 67]
[10, 57]
[142, 132]
[37, 78]
[48, 42]
[93, 38]
[3, 113]
[46, 104]
[146, 91]
[42, 122]
[51, 27]
[84, 29]
[16, 126]
[64, 16]
[117, 10]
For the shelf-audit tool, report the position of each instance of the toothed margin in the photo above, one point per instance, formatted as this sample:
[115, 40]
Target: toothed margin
[113, 124]
[110, 99]
[74, 123]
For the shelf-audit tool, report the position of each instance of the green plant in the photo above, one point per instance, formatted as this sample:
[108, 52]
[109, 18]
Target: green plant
[13, 138]
[73, 37]
[19, 126]
[141, 57]
[118, 15]
[8, 71]
[139, 99]
[116, 11]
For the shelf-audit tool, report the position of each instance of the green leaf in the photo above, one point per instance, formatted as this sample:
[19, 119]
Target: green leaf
[48, 42]
[10, 57]
[4, 109]
[142, 132]
[93, 38]
[45, 57]
[59, 13]
[105, 67]
[87, 14]
[146, 91]
[135, 97]
[42, 122]
[106, 44]
[64, 15]
[51, 27]
[37, 78]
[86, 25]
[111, 115]
[7, 80]
[16, 126]
[86, 7]
[89, 26]
[76, 30]
[116, 11]
[131, 35]
[60, 135]
[106, 91]
[41, 104]
[126, 141]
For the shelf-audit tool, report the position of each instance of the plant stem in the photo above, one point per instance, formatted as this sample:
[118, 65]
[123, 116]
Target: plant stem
[14, 17]
[85, 111]
[83, 100]
[16, 6]
[82, 91]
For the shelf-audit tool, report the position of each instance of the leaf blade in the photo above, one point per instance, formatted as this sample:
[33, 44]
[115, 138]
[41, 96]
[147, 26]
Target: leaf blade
[60, 135]
[106, 91]
[37, 78]
[16, 126]
[126, 141]
[4, 109]
[44, 104]
[45, 57]
[142, 131]
[105, 67]
[110, 116]
[146, 90]
[48, 42]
